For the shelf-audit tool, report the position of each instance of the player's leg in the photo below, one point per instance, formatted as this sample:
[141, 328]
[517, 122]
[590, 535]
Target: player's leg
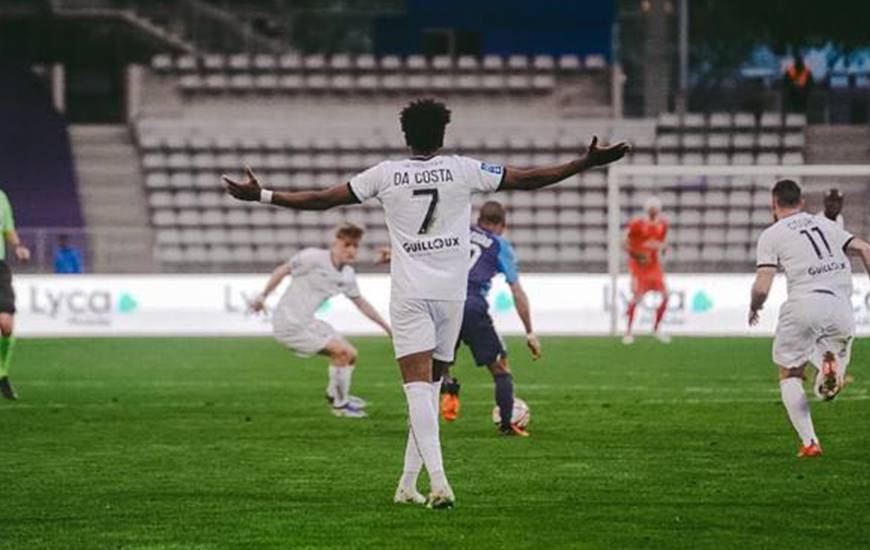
[660, 287]
[414, 343]
[342, 362]
[636, 297]
[407, 492]
[833, 349]
[792, 346]
[7, 322]
[450, 386]
[447, 317]
[794, 398]
[504, 397]
[7, 342]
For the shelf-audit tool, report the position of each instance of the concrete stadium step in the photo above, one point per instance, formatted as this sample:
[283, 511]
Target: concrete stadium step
[112, 194]
[838, 144]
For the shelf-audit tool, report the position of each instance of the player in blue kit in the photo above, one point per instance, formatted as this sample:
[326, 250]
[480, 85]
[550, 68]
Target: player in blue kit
[491, 254]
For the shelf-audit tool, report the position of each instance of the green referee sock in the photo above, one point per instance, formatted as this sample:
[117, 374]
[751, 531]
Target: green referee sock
[6, 345]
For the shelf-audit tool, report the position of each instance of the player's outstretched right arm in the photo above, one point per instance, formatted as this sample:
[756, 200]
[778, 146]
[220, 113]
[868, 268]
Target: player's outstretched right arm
[322, 199]
[534, 178]
[859, 247]
[275, 279]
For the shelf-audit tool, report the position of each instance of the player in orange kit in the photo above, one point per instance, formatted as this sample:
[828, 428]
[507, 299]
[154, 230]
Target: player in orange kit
[644, 241]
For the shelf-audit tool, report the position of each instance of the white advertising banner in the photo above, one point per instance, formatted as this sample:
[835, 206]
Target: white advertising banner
[184, 305]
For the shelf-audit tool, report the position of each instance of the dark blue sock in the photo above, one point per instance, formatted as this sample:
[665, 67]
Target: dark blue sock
[504, 397]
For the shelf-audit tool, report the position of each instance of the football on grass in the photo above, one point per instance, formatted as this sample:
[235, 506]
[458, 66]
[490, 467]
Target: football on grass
[521, 416]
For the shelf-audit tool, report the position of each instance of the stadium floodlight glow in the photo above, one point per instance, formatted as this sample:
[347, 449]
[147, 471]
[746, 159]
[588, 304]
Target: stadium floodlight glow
[618, 172]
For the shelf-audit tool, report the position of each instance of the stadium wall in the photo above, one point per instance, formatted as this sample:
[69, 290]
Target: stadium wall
[562, 304]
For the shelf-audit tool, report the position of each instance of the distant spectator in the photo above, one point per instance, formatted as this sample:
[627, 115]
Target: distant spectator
[797, 84]
[67, 259]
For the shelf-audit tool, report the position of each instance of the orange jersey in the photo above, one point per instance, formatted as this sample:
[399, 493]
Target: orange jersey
[640, 232]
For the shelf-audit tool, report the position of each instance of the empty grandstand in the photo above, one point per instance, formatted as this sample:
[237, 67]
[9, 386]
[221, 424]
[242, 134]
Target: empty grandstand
[196, 95]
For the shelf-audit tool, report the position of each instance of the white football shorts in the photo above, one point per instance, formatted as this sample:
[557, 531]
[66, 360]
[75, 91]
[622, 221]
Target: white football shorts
[306, 340]
[424, 325]
[811, 325]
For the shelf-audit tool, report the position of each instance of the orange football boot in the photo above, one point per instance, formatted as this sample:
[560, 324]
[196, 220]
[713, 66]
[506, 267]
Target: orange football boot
[449, 407]
[810, 451]
[514, 431]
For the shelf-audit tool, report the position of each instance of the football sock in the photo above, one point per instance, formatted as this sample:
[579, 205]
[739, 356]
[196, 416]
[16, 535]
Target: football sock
[6, 345]
[504, 397]
[413, 464]
[436, 395]
[795, 400]
[331, 390]
[631, 307]
[660, 312]
[424, 428]
[340, 377]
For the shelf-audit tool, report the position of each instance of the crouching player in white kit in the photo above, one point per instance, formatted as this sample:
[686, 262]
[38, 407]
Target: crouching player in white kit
[816, 323]
[319, 274]
[427, 205]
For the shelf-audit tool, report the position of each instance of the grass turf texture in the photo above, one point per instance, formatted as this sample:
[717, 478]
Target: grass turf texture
[213, 443]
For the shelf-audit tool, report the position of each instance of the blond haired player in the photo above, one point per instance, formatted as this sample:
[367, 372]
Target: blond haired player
[427, 205]
[816, 323]
[317, 275]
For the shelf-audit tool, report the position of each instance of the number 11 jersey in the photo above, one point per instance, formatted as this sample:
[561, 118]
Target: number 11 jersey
[427, 206]
[812, 252]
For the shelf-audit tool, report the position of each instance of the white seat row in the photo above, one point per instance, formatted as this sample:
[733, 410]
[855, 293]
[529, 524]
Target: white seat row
[296, 83]
[369, 63]
[375, 145]
[729, 140]
[727, 121]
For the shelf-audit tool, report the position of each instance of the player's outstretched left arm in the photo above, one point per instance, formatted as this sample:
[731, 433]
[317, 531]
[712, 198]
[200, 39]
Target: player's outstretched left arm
[367, 309]
[524, 310]
[322, 199]
[534, 178]
[760, 289]
[861, 248]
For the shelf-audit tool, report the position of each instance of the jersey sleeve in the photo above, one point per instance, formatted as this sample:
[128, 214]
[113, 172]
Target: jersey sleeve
[766, 254]
[482, 176]
[6, 213]
[366, 185]
[507, 261]
[301, 262]
[843, 237]
[352, 289]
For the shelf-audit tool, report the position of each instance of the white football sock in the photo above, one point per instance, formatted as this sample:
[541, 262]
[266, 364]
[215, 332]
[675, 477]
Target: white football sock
[331, 387]
[436, 396]
[413, 463]
[341, 377]
[424, 425]
[795, 400]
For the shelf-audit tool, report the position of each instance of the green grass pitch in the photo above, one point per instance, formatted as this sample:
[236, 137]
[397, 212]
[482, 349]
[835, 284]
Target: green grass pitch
[227, 443]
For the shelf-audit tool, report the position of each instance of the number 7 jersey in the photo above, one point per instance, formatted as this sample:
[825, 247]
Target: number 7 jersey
[427, 206]
[812, 252]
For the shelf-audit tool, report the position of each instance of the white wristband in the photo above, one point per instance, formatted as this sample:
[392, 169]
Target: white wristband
[266, 196]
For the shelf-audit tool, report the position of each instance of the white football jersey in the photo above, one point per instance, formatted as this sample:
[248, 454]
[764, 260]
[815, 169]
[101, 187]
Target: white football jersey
[839, 221]
[314, 279]
[427, 206]
[811, 251]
